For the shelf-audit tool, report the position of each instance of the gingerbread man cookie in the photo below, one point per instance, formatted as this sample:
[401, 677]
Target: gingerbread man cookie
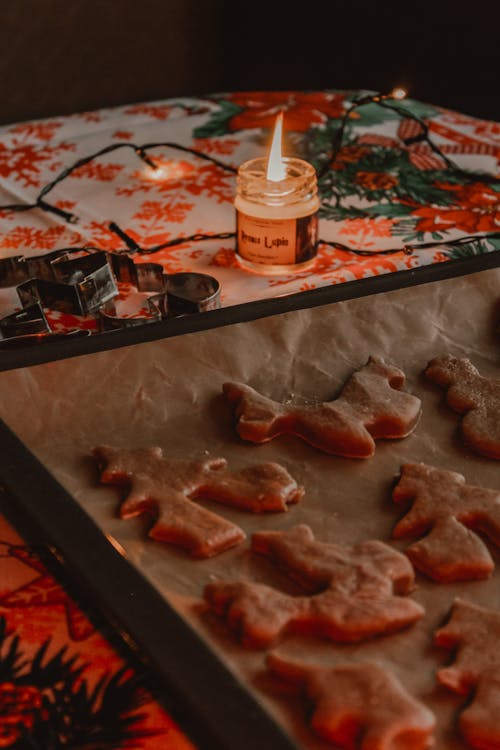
[165, 487]
[372, 405]
[473, 632]
[359, 705]
[445, 512]
[353, 593]
[473, 395]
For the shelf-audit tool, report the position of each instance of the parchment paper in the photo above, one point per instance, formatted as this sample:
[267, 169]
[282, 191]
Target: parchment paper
[168, 393]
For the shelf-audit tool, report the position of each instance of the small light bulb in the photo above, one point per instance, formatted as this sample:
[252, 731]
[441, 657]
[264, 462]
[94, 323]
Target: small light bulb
[157, 173]
[398, 92]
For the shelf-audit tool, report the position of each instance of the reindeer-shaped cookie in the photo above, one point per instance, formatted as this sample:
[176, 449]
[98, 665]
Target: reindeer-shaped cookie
[164, 487]
[352, 593]
[371, 406]
[473, 633]
[473, 395]
[359, 705]
[445, 512]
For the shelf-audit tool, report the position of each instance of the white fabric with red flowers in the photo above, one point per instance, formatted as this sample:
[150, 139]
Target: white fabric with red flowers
[386, 188]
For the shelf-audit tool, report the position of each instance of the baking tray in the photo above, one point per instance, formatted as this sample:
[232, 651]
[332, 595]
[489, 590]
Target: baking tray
[210, 703]
[48, 351]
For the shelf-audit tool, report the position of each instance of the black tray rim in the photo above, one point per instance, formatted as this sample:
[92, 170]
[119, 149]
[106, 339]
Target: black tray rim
[269, 306]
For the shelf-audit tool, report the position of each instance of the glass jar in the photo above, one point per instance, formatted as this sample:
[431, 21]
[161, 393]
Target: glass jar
[276, 221]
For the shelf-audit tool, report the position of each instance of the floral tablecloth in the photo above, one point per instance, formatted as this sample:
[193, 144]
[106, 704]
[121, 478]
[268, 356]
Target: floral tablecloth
[411, 175]
[406, 174]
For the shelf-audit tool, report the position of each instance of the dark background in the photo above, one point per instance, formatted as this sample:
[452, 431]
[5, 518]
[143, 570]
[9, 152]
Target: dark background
[63, 56]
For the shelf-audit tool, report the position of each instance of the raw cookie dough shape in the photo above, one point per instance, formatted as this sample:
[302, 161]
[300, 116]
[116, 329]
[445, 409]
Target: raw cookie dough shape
[474, 633]
[353, 593]
[473, 395]
[446, 511]
[164, 487]
[359, 705]
[371, 405]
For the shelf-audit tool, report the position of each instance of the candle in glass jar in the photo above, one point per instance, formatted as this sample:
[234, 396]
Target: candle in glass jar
[276, 212]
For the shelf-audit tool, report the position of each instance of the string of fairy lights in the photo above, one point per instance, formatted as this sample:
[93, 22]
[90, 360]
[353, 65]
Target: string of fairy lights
[388, 101]
[407, 249]
[142, 153]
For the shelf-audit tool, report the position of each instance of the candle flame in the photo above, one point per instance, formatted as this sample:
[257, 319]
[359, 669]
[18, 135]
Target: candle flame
[275, 165]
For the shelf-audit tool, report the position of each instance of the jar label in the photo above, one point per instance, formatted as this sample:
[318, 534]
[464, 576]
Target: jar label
[276, 241]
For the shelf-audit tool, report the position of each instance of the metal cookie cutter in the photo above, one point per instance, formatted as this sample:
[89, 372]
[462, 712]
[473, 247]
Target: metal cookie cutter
[18, 268]
[25, 322]
[30, 327]
[69, 281]
[77, 281]
[176, 294]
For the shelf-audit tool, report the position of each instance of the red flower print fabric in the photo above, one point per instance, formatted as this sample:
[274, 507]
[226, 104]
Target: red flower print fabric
[398, 177]
[59, 650]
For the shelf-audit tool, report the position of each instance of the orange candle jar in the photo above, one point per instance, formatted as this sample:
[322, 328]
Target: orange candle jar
[277, 220]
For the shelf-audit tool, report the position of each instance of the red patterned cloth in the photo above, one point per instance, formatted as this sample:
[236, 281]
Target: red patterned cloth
[36, 609]
[387, 187]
